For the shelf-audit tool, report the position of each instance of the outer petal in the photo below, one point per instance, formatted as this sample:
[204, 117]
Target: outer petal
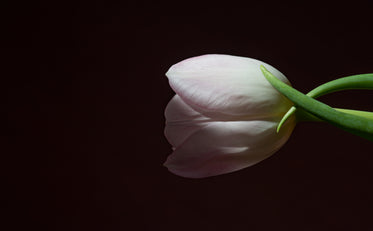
[224, 84]
[181, 121]
[223, 147]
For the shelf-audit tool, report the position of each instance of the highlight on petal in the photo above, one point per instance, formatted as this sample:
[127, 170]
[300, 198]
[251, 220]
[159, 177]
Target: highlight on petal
[223, 147]
[230, 85]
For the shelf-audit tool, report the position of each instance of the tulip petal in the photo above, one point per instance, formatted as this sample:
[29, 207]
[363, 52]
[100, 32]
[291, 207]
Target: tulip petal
[229, 85]
[181, 121]
[223, 147]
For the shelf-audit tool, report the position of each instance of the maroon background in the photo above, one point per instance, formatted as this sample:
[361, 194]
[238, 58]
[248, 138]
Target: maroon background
[84, 145]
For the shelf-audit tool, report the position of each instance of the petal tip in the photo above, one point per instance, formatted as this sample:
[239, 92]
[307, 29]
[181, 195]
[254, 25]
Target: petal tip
[169, 71]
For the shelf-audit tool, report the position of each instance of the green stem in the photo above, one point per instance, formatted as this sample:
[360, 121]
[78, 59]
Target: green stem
[362, 81]
[366, 114]
[305, 116]
[355, 124]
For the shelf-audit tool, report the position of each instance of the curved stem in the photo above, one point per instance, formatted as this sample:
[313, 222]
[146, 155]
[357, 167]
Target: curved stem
[362, 81]
[357, 125]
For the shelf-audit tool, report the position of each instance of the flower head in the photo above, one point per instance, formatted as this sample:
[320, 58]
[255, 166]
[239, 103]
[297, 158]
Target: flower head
[224, 115]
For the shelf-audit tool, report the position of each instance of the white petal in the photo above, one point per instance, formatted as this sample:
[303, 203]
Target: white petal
[223, 147]
[224, 84]
[181, 121]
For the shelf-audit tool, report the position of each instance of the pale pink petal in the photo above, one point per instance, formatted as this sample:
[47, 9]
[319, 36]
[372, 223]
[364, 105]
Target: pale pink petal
[181, 121]
[223, 147]
[224, 84]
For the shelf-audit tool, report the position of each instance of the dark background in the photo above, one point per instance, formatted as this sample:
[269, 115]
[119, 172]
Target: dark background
[83, 143]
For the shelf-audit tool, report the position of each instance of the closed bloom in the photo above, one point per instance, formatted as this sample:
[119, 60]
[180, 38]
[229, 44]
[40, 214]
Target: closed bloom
[224, 115]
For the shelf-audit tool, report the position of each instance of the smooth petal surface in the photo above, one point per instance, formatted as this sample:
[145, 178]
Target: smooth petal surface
[181, 121]
[223, 147]
[230, 85]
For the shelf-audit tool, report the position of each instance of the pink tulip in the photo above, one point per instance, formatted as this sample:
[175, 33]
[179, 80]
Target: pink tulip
[224, 115]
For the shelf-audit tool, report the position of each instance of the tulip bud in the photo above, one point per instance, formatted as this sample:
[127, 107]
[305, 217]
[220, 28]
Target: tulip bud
[224, 115]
